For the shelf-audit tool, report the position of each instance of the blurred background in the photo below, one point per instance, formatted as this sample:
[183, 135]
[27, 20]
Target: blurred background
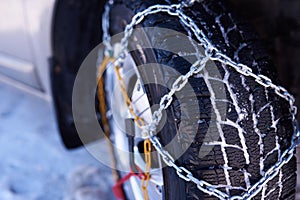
[35, 165]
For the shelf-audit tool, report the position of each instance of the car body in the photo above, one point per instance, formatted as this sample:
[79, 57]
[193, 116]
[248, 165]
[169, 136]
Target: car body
[25, 42]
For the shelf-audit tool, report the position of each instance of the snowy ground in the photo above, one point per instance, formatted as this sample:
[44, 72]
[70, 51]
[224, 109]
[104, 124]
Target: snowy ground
[34, 164]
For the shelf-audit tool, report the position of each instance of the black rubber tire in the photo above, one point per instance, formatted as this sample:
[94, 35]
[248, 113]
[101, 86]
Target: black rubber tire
[75, 32]
[266, 115]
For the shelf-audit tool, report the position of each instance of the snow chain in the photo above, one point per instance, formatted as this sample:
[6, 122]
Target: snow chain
[211, 53]
[103, 110]
[140, 123]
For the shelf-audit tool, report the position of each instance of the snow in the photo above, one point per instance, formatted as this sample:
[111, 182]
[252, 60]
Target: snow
[34, 164]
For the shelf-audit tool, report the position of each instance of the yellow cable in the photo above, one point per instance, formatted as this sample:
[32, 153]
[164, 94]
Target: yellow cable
[139, 122]
[103, 109]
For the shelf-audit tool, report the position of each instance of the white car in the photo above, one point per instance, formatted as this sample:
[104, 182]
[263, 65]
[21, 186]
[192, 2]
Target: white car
[25, 43]
[35, 34]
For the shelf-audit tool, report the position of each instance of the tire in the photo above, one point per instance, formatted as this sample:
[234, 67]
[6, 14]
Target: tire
[263, 116]
[74, 35]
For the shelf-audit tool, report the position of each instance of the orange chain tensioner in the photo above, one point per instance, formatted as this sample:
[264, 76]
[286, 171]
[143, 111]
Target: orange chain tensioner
[138, 120]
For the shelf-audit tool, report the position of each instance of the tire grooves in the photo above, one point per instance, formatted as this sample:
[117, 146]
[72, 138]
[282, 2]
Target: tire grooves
[242, 46]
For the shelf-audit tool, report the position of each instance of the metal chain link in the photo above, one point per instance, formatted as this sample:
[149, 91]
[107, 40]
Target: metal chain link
[211, 53]
[105, 28]
[145, 180]
[139, 122]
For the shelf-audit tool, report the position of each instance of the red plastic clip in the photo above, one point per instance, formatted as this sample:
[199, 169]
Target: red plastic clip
[118, 187]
